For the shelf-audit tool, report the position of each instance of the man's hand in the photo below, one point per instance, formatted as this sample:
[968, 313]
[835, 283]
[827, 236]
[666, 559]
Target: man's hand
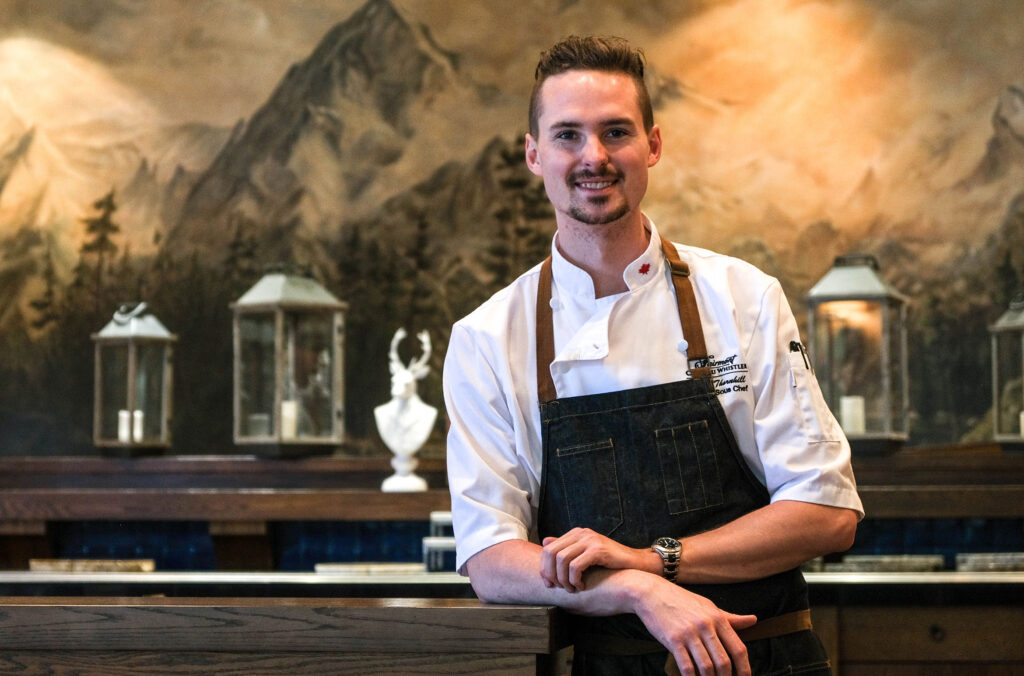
[701, 637]
[565, 559]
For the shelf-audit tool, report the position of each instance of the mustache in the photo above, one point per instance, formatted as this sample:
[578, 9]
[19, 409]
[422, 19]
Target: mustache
[585, 175]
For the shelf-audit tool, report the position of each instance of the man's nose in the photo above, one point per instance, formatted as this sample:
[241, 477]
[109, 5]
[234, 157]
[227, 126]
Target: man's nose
[594, 153]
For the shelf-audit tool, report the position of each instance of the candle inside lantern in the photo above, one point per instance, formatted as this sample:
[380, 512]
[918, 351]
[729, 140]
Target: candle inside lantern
[259, 424]
[289, 419]
[137, 427]
[851, 414]
[124, 426]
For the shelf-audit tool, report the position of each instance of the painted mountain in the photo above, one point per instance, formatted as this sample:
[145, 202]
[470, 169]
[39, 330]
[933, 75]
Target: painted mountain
[360, 121]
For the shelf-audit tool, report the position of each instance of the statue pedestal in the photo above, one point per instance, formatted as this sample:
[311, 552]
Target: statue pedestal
[404, 480]
[409, 483]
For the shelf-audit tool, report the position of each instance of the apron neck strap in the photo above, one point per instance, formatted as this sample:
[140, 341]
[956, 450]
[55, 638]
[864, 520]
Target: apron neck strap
[689, 315]
[689, 319]
[545, 335]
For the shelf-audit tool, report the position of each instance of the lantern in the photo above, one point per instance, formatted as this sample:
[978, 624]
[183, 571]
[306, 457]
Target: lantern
[859, 351]
[288, 337]
[132, 410]
[1008, 376]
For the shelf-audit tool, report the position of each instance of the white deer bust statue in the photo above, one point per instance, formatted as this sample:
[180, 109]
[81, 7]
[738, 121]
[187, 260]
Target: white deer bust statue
[405, 422]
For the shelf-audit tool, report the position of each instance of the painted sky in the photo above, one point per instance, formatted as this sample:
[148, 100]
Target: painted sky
[862, 113]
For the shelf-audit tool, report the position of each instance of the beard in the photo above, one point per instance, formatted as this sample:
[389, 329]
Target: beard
[581, 214]
[580, 210]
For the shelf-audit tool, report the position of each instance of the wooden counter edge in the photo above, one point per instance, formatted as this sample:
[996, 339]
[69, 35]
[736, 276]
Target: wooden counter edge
[279, 625]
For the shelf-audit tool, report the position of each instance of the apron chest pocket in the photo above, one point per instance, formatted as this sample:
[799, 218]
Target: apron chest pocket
[590, 485]
[689, 467]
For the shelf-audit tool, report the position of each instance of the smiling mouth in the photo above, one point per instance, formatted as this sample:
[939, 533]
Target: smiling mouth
[595, 182]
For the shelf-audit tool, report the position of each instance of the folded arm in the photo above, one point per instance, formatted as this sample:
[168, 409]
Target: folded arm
[701, 637]
[767, 541]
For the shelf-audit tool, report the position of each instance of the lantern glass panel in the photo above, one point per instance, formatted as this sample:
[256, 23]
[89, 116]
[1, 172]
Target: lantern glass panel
[896, 358]
[307, 404]
[256, 374]
[113, 390]
[1009, 346]
[149, 392]
[848, 361]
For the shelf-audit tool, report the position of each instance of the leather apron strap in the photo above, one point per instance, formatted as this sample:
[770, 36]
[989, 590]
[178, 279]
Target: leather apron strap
[545, 336]
[689, 315]
[689, 319]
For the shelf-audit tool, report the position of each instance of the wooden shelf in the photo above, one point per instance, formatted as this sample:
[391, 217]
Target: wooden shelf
[943, 502]
[207, 471]
[217, 504]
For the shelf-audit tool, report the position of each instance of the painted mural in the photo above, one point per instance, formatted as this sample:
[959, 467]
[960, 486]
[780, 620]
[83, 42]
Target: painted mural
[169, 152]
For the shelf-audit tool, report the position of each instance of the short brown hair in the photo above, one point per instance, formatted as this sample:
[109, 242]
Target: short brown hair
[610, 54]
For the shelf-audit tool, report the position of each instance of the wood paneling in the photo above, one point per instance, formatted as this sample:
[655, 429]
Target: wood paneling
[826, 626]
[932, 634]
[932, 669]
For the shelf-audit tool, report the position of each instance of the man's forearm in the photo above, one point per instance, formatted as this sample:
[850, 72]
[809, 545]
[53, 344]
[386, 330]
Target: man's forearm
[508, 572]
[772, 539]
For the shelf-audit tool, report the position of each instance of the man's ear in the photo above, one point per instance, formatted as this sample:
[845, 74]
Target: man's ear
[654, 145]
[532, 155]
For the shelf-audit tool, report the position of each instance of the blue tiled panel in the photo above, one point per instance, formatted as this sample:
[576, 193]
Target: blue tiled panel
[173, 545]
[300, 545]
[947, 537]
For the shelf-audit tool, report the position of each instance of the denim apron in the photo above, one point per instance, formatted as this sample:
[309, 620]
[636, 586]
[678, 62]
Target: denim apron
[639, 464]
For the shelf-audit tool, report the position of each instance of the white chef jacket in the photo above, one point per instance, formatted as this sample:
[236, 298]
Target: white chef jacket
[784, 430]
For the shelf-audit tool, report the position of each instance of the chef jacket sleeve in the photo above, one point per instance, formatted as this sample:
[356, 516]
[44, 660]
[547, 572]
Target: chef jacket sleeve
[490, 503]
[806, 456]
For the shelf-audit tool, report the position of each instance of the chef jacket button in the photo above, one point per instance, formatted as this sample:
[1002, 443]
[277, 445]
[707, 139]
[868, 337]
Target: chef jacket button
[683, 345]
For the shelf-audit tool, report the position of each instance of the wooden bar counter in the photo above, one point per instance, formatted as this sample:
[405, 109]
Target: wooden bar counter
[100, 635]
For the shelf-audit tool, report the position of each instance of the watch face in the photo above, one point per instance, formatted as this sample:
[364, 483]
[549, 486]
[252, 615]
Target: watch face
[667, 543]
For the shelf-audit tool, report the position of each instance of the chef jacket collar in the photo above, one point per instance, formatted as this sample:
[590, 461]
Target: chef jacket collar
[645, 269]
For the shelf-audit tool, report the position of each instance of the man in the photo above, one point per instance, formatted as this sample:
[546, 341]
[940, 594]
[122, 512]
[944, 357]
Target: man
[630, 391]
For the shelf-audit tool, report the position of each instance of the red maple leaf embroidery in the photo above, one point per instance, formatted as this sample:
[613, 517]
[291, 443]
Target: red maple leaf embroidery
[645, 268]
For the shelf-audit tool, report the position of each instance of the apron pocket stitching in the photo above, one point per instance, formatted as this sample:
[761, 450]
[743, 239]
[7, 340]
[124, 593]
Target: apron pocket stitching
[690, 473]
[591, 465]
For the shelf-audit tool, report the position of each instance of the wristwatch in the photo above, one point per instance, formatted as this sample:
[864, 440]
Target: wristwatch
[669, 550]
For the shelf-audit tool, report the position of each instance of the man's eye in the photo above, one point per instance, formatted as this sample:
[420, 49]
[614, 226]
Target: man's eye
[617, 133]
[566, 135]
